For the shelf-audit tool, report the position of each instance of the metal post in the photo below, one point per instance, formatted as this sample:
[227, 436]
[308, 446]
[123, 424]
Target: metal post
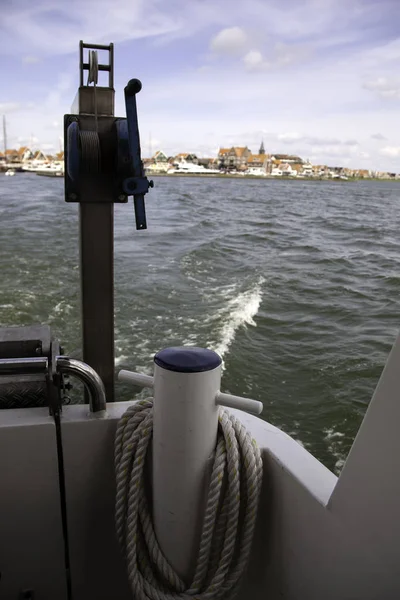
[96, 226]
[186, 381]
[4, 137]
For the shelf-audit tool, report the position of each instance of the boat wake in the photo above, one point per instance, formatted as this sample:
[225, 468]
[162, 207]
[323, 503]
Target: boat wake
[334, 439]
[239, 312]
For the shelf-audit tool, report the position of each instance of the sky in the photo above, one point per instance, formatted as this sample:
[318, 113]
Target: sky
[318, 78]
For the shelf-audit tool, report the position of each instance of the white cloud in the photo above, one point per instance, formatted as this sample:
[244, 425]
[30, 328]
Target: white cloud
[27, 141]
[30, 60]
[55, 99]
[334, 151]
[285, 54]
[8, 107]
[390, 151]
[318, 106]
[290, 137]
[43, 28]
[47, 147]
[293, 137]
[279, 56]
[378, 136]
[229, 41]
[383, 86]
[383, 54]
[254, 61]
[223, 116]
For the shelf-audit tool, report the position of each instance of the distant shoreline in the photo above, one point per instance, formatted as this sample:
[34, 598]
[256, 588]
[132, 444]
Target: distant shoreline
[258, 177]
[269, 178]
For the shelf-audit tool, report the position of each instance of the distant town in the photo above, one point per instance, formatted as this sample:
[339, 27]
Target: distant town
[235, 161]
[239, 160]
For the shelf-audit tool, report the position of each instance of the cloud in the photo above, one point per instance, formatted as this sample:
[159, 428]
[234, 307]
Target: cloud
[40, 27]
[26, 141]
[378, 136]
[384, 53]
[286, 54]
[293, 137]
[334, 150]
[230, 41]
[297, 73]
[59, 89]
[46, 28]
[390, 151]
[278, 56]
[254, 61]
[30, 60]
[47, 147]
[8, 107]
[384, 87]
[290, 137]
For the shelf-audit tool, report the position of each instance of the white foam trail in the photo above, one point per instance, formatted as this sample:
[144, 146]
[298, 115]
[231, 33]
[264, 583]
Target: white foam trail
[240, 311]
[334, 441]
[119, 360]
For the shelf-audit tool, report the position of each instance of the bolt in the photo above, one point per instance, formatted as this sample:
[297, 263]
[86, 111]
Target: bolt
[72, 196]
[122, 198]
[38, 350]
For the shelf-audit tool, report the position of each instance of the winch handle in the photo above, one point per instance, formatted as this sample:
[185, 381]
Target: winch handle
[138, 185]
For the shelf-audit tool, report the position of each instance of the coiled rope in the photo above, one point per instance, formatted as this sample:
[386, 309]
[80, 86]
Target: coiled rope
[229, 519]
[90, 151]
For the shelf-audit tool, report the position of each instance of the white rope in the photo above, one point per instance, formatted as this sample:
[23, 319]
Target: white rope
[229, 518]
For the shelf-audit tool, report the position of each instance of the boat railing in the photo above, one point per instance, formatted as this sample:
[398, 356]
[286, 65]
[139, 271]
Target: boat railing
[64, 365]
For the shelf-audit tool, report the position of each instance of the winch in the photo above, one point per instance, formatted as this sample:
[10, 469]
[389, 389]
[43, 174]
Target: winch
[102, 152]
[103, 166]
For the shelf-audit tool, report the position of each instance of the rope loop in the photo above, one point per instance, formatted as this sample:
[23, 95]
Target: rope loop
[229, 518]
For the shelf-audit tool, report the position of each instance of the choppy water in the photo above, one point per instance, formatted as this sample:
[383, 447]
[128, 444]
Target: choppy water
[295, 284]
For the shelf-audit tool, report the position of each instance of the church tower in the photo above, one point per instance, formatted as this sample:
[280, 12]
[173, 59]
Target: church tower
[262, 149]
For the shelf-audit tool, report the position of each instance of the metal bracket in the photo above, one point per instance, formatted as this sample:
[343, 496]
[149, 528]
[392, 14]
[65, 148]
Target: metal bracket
[86, 66]
[27, 389]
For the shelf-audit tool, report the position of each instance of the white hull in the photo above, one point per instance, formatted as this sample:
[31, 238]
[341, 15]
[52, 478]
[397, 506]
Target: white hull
[50, 173]
[318, 536]
[55, 170]
[187, 168]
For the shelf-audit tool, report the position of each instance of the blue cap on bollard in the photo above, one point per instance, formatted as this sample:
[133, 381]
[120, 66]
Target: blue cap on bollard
[187, 359]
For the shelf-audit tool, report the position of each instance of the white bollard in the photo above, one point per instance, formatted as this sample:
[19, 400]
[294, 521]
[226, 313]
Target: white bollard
[186, 381]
